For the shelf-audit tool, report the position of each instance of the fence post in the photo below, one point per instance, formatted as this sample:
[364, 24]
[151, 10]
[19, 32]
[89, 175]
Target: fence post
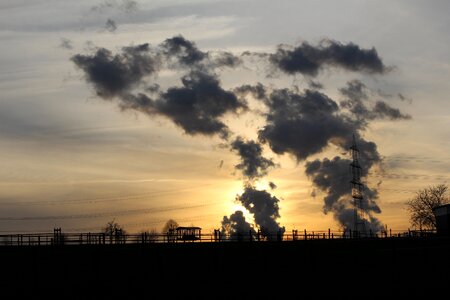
[390, 232]
[306, 237]
[329, 233]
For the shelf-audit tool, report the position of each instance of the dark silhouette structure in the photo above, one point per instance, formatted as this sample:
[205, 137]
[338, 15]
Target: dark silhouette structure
[442, 215]
[188, 233]
[357, 190]
[58, 236]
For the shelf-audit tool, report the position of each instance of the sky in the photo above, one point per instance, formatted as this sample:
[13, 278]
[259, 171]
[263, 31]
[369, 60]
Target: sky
[142, 111]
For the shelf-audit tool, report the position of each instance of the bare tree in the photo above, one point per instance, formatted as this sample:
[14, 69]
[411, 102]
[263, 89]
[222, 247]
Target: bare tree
[170, 225]
[421, 206]
[169, 230]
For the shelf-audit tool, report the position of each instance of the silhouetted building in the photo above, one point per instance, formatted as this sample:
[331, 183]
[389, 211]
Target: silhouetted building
[188, 233]
[442, 214]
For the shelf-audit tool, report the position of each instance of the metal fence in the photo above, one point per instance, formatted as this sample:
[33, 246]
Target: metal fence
[57, 237]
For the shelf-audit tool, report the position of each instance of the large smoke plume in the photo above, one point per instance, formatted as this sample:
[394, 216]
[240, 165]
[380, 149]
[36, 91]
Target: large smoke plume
[264, 208]
[297, 122]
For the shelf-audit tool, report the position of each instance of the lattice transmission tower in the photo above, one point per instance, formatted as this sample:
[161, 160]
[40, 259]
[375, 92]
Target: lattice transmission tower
[359, 227]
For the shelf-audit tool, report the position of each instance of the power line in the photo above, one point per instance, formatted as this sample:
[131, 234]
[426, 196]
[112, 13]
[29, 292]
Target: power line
[107, 214]
[100, 199]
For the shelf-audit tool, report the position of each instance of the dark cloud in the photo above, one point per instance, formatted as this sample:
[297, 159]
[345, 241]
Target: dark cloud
[140, 102]
[236, 225]
[333, 178]
[123, 5]
[187, 54]
[224, 59]
[356, 94]
[264, 208]
[315, 85]
[196, 107]
[383, 110]
[309, 60]
[357, 102]
[184, 50]
[355, 90]
[115, 74]
[258, 91]
[253, 164]
[153, 88]
[302, 124]
[110, 25]
[66, 44]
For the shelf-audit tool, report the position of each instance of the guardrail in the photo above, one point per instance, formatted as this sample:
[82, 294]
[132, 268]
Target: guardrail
[90, 238]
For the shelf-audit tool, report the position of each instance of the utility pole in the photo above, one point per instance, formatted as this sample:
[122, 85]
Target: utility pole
[357, 190]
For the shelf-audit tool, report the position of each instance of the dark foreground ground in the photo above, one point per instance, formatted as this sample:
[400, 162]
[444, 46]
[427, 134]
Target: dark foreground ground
[337, 269]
